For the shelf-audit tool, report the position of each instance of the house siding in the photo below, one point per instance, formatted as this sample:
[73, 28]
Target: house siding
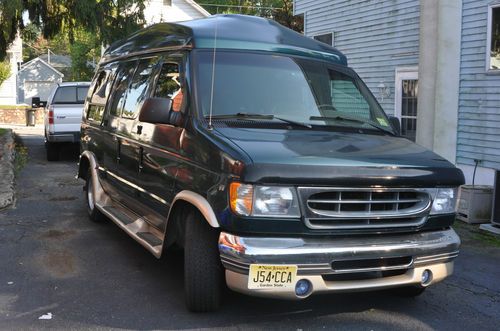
[479, 98]
[377, 36]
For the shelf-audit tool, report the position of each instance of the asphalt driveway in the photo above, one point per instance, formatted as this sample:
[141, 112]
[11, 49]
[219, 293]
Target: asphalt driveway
[77, 274]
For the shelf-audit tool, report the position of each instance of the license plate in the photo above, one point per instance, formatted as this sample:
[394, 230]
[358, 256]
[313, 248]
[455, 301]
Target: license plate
[272, 276]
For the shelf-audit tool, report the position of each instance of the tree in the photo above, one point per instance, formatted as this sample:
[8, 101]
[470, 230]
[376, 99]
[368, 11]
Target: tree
[109, 20]
[278, 10]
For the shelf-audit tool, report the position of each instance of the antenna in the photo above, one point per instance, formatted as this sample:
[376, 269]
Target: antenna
[210, 127]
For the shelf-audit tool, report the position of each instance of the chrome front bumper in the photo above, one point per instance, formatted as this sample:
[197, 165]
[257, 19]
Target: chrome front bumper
[433, 251]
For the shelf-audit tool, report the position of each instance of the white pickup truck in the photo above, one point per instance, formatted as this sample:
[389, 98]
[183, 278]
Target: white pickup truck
[63, 116]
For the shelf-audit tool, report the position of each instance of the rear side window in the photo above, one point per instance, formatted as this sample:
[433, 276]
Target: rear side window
[101, 90]
[70, 94]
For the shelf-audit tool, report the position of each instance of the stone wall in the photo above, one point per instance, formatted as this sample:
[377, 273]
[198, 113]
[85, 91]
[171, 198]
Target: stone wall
[18, 116]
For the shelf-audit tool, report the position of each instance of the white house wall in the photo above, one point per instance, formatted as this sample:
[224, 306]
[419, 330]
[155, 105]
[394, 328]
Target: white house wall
[376, 36]
[181, 10]
[36, 79]
[479, 100]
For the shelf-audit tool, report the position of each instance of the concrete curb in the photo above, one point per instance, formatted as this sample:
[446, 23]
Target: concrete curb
[7, 169]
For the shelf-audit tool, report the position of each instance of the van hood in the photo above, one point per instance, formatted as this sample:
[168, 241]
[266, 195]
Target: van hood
[339, 158]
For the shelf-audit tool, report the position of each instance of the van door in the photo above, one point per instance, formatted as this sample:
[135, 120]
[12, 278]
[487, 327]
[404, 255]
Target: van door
[112, 141]
[129, 130]
[160, 143]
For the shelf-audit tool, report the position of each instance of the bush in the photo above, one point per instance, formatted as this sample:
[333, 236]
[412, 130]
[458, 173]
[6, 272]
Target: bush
[4, 71]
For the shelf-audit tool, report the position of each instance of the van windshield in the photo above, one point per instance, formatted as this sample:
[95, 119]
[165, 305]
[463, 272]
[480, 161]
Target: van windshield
[301, 90]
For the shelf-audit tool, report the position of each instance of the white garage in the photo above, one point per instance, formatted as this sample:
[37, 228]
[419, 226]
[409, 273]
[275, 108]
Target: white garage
[36, 78]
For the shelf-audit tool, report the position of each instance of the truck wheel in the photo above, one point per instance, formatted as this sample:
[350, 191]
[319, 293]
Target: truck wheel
[94, 214]
[409, 291]
[203, 272]
[52, 151]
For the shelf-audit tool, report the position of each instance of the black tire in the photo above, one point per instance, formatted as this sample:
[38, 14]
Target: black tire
[409, 291]
[52, 150]
[95, 214]
[203, 271]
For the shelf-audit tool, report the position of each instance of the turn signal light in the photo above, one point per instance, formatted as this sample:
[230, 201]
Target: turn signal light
[241, 198]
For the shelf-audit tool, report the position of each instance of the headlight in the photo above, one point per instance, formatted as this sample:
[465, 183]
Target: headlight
[263, 201]
[445, 201]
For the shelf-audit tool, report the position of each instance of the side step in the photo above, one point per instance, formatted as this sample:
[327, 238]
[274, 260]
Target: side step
[134, 225]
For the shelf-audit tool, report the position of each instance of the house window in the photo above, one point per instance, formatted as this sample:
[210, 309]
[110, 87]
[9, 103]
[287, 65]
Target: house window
[406, 96]
[493, 40]
[167, 2]
[326, 38]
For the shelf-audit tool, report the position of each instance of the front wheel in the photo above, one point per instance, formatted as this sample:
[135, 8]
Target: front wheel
[203, 272]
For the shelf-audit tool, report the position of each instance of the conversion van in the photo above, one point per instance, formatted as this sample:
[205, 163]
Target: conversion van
[267, 159]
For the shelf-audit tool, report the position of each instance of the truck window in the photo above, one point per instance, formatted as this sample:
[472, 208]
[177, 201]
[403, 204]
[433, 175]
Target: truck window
[70, 94]
[137, 92]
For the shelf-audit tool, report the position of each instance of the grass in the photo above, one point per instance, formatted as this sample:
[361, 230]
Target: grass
[2, 131]
[470, 233]
[21, 156]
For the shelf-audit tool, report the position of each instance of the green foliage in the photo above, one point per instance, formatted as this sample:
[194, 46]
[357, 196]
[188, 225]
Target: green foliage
[108, 20]
[84, 50]
[279, 10]
[4, 71]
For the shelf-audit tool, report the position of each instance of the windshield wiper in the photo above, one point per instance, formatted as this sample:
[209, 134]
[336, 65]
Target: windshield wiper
[350, 119]
[261, 116]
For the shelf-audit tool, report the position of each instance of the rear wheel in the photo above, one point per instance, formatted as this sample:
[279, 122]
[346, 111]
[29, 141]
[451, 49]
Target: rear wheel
[203, 272]
[52, 150]
[94, 213]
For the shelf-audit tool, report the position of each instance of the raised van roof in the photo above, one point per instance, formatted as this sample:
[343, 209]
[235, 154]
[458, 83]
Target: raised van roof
[233, 32]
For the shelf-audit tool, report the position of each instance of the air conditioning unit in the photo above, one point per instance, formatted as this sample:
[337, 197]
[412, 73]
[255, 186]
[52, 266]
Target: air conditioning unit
[474, 204]
[495, 208]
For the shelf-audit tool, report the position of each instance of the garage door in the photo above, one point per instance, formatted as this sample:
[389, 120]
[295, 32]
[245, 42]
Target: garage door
[39, 89]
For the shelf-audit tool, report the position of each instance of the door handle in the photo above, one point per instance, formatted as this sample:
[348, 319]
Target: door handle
[139, 129]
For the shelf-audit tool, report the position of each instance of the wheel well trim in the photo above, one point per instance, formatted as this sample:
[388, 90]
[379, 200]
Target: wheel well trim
[200, 203]
[90, 158]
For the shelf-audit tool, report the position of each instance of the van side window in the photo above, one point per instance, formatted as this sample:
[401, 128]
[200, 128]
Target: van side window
[169, 85]
[100, 92]
[137, 91]
[122, 81]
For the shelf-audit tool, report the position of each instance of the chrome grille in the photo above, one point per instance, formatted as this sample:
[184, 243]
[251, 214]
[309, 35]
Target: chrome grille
[348, 208]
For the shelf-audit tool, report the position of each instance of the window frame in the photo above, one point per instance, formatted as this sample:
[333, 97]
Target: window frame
[332, 33]
[489, 29]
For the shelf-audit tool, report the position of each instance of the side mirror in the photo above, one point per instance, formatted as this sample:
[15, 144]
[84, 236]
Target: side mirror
[156, 111]
[395, 124]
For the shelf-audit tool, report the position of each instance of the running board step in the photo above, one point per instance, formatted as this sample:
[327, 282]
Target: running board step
[150, 238]
[134, 225]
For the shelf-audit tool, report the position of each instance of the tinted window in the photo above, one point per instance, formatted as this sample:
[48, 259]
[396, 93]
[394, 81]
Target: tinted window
[169, 85]
[101, 89]
[137, 92]
[120, 87]
[70, 94]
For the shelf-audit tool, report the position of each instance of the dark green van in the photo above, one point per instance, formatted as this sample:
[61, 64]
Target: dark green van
[267, 159]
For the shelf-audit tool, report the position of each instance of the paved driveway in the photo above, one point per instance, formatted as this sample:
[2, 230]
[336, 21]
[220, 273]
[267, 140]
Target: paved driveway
[92, 276]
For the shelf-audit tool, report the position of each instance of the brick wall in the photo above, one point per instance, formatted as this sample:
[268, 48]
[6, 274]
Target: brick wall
[18, 116]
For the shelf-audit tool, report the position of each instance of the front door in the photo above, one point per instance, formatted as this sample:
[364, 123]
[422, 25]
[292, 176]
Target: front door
[406, 101]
